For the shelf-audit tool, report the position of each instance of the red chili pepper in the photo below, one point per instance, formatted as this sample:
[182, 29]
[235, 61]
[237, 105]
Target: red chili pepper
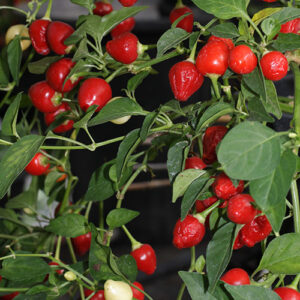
[145, 258]
[37, 33]
[292, 26]
[194, 162]
[82, 243]
[236, 276]
[212, 137]
[136, 293]
[38, 165]
[187, 22]
[287, 293]
[99, 295]
[227, 41]
[102, 8]
[125, 26]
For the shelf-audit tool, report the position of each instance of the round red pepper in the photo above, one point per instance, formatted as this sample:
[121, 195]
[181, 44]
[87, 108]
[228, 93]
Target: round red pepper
[212, 59]
[94, 91]
[227, 41]
[82, 243]
[240, 210]
[292, 26]
[185, 80]
[123, 48]
[9, 296]
[236, 276]
[102, 8]
[274, 65]
[66, 125]
[127, 3]
[37, 33]
[136, 293]
[187, 22]
[44, 97]
[57, 33]
[188, 233]
[194, 162]
[224, 188]
[242, 60]
[125, 26]
[99, 295]
[38, 165]
[145, 258]
[212, 137]
[270, 1]
[286, 293]
[58, 72]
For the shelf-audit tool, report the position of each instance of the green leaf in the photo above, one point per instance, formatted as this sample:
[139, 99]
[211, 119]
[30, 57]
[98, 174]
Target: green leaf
[272, 103]
[16, 158]
[41, 66]
[249, 151]
[245, 292]
[99, 259]
[172, 106]
[10, 118]
[195, 285]
[171, 39]
[118, 108]
[176, 158]
[4, 70]
[82, 123]
[89, 4]
[70, 225]
[287, 42]
[224, 9]
[120, 216]
[136, 80]
[147, 124]
[26, 270]
[183, 180]
[270, 192]
[14, 57]
[225, 30]
[127, 146]
[218, 254]
[257, 111]
[286, 14]
[212, 113]
[192, 193]
[127, 265]
[281, 255]
[26, 199]
[82, 51]
[270, 27]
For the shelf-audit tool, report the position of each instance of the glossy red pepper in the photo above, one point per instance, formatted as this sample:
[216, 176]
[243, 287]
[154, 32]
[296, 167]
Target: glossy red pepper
[194, 162]
[185, 80]
[127, 3]
[37, 33]
[287, 293]
[57, 33]
[292, 26]
[82, 243]
[240, 210]
[44, 97]
[145, 258]
[270, 1]
[125, 26]
[274, 65]
[38, 165]
[224, 188]
[58, 72]
[187, 22]
[99, 295]
[51, 117]
[136, 293]
[212, 59]
[202, 205]
[236, 276]
[242, 60]
[123, 48]
[212, 137]
[227, 41]
[188, 233]
[94, 91]
[102, 8]
[9, 296]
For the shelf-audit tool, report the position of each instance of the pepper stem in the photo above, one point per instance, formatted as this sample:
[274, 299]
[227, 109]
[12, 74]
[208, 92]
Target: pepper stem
[134, 243]
[48, 11]
[193, 53]
[214, 81]
[179, 4]
[295, 282]
[201, 216]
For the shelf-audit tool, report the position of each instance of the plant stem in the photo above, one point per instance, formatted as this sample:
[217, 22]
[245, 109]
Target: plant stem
[48, 11]
[71, 250]
[296, 118]
[214, 81]
[101, 218]
[114, 74]
[58, 247]
[296, 207]
[134, 242]
[14, 8]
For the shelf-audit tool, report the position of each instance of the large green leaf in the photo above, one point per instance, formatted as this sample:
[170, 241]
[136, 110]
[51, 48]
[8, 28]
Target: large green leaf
[218, 253]
[117, 109]
[14, 57]
[224, 9]
[270, 192]
[287, 42]
[226, 30]
[246, 292]
[16, 158]
[10, 118]
[249, 151]
[120, 216]
[70, 225]
[127, 265]
[282, 255]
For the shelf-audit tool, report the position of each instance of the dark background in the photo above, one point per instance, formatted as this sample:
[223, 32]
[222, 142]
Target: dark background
[157, 214]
